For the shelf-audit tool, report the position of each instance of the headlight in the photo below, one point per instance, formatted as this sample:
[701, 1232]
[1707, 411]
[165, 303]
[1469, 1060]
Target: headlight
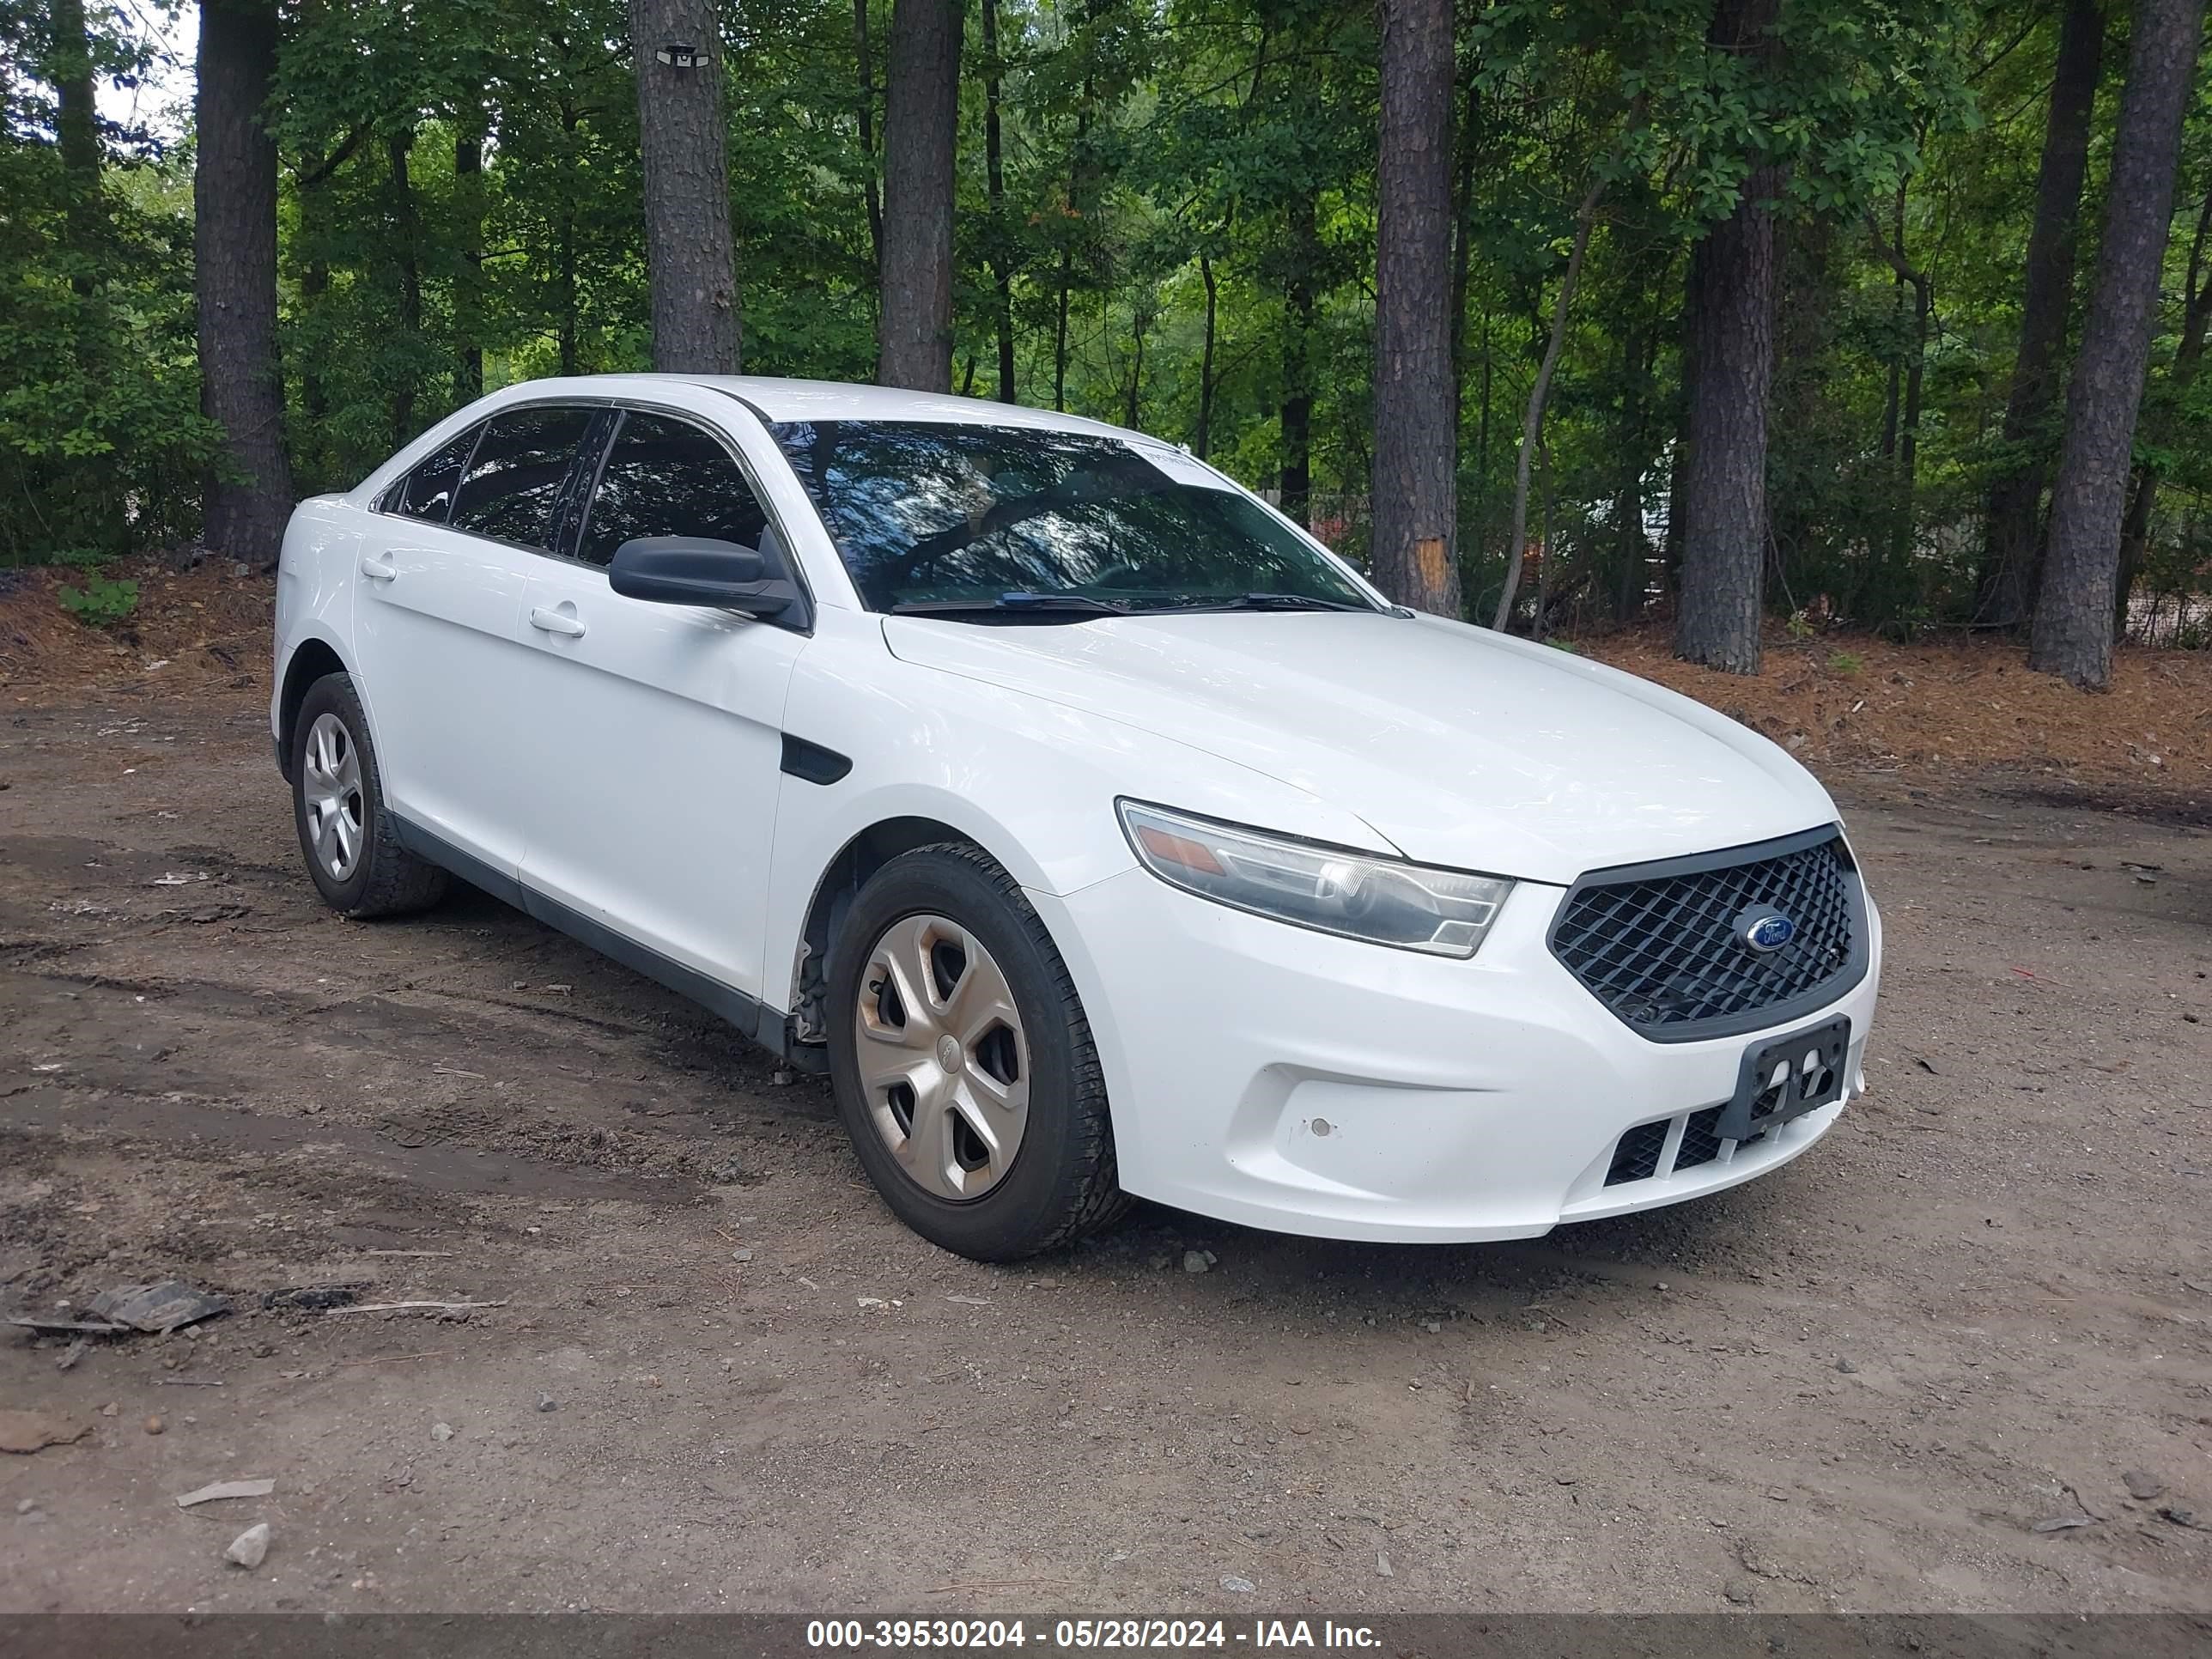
[1444, 913]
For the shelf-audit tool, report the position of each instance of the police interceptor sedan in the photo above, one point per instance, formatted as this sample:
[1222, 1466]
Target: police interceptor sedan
[1096, 830]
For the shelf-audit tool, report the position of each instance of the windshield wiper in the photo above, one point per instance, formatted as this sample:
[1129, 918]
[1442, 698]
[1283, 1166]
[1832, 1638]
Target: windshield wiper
[1081, 604]
[1299, 602]
[1263, 601]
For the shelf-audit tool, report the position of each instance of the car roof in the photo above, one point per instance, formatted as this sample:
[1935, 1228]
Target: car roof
[778, 399]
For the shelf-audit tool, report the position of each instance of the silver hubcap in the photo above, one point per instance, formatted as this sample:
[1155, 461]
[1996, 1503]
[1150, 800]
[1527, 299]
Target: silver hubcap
[942, 1057]
[331, 786]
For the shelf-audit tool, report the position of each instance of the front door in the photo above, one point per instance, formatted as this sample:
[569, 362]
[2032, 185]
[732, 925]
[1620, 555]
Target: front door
[654, 814]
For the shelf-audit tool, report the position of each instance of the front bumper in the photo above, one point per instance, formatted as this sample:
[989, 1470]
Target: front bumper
[1265, 1074]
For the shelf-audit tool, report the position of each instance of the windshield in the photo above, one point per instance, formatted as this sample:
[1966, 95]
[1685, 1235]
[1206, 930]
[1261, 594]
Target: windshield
[1012, 519]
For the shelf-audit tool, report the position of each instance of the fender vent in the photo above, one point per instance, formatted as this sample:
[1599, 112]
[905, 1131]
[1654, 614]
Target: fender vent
[812, 762]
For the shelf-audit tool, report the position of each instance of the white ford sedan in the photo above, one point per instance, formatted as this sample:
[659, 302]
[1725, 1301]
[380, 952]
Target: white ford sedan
[1096, 830]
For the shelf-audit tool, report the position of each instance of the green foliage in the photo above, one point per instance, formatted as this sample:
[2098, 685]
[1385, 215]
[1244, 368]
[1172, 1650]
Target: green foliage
[461, 208]
[101, 441]
[1845, 662]
[102, 602]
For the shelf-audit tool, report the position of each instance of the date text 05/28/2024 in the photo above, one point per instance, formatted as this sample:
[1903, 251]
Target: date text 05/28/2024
[989, 1635]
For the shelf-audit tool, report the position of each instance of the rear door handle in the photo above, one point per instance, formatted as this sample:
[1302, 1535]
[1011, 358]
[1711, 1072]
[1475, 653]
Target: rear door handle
[379, 568]
[567, 625]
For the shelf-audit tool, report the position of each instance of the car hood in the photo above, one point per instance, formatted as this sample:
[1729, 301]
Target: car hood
[1458, 745]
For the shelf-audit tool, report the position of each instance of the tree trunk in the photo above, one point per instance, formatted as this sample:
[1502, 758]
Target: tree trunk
[995, 179]
[397, 149]
[1205, 435]
[1482, 445]
[314, 448]
[1678, 522]
[1302, 303]
[314, 391]
[1532, 421]
[2073, 637]
[921, 130]
[1081, 174]
[684, 145]
[1060, 334]
[1140, 319]
[1413, 552]
[1892, 397]
[67, 69]
[1541, 623]
[2012, 544]
[1678, 467]
[1463, 242]
[874, 192]
[468, 299]
[2135, 541]
[93, 337]
[1629, 547]
[1908, 441]
[1901, 433]
[564, 269]
[1632, 546]
[1731, 367]
[2188, 358]
[249, 492]
[1469, 137]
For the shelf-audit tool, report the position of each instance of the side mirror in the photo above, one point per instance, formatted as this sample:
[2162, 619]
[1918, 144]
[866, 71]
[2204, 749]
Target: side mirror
[696, 570]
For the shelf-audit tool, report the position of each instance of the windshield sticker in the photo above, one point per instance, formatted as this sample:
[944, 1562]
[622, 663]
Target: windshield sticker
[1181, 468]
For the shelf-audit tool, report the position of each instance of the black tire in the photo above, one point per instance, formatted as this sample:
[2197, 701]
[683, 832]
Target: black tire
[1061, 1184]
[386, 880]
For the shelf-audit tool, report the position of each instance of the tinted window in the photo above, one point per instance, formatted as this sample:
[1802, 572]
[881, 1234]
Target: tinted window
[568, 509]
[427, 491]
[668, 477]
[517, 473]
[924, 513]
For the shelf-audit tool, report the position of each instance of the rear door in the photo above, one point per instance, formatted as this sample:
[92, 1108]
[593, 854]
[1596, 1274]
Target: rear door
[656, 818]
[437, 620]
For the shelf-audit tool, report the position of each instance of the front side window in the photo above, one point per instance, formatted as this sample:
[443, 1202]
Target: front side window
[515, 479]
[668, 477]
[426, 493]
[927, 514]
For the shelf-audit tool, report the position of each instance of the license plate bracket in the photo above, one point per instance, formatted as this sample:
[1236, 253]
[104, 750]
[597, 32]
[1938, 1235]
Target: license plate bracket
[1787, 1078]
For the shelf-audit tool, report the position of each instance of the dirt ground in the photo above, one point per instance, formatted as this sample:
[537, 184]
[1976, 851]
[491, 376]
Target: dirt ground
[721, 1377]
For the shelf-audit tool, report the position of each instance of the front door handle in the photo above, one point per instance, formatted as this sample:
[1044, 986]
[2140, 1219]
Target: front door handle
[379, 568]
[565, 623]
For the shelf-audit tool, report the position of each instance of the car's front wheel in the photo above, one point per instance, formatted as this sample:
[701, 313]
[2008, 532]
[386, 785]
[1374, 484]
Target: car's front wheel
[962, 1064]
[337, 801]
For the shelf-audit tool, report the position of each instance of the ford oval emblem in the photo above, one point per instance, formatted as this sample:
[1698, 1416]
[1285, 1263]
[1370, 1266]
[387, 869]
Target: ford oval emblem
[1765, 930]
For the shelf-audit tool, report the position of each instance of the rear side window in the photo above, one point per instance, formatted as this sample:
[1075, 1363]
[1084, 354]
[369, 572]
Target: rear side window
[427, 491]
[515, 479]
[668, 477]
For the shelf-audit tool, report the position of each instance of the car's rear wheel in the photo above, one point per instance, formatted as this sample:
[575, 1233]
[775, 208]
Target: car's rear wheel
[962, 1064]
[356, 862]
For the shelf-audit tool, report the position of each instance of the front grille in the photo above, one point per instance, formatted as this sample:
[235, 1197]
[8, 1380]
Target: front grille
[1768, 1103]
[1662, 945]
[1636, 1155]
[1700, 1143]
